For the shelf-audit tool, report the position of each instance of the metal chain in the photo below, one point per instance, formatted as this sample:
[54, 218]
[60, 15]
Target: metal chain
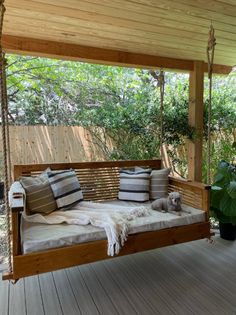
[210, 58]
[5, 136]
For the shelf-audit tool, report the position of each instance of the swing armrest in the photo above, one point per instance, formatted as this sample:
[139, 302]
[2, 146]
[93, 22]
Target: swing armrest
[17, 197]
[193, 193]
[189, 183]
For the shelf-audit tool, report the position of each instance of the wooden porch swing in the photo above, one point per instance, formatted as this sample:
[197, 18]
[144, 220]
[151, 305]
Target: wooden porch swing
[98, 176]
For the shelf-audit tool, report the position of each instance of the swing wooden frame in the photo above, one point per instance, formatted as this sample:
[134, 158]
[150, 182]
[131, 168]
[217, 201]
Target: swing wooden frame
[102, 178]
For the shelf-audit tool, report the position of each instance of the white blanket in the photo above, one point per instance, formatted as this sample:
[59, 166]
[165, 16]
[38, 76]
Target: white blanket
[113, 219]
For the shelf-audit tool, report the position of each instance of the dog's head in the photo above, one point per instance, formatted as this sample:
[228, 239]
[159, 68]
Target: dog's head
[175, 198]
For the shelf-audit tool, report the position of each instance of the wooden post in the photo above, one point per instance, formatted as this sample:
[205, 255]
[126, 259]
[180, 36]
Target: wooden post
[196, 88]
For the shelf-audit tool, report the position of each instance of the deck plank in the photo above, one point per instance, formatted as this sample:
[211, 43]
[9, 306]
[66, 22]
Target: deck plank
[17, 298]
[154, 292]
[197, 262]
[178, 281]
[82, 295]
[66, 296]
[50, 298]
[33, 298]
[116, 294]
[4, 295]
[214, 285]
[129, 287]
[102, 300]
[173, 280]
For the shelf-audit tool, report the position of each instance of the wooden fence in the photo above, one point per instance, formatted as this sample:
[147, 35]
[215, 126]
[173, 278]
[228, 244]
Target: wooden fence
[48, 144]
[58, 144]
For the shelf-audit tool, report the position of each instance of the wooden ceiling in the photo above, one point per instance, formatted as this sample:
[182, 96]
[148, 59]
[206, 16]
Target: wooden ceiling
[170, 28]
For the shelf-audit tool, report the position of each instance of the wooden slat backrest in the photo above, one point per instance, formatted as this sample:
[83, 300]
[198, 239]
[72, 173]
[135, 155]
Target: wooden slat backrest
[99, 180]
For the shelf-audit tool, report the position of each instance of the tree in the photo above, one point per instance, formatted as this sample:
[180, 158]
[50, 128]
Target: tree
[118, 104]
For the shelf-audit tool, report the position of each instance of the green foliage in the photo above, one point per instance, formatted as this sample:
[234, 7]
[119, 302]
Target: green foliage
[223, 193]
[124, 103]
[223, 121]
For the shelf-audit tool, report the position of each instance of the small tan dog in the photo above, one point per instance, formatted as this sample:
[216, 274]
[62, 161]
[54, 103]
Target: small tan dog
[170, 204]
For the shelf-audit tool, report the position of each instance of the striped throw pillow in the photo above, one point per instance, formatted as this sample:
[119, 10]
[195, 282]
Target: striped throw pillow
[159, 183]
[39, 196]
[66, 188]
[134, 185]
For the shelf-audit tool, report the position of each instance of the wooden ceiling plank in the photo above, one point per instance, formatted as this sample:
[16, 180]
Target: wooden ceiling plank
[232, 2]
[67, 14]
[148, 8]
[113, 34]
[212, 5]
[173, 36]
[139, 10]
[130, 13]
[187, 10]
[92, 54]
[187, 22]
[223, 48]
[74, 30]
[125, 45]
[77, 13]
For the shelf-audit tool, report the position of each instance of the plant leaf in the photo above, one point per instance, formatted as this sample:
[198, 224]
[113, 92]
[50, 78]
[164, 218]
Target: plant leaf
[216, 188]
[227, 205]
[216, 196]
[232, 190]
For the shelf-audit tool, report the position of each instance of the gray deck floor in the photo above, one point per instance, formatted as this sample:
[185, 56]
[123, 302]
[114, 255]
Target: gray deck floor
[193, 278]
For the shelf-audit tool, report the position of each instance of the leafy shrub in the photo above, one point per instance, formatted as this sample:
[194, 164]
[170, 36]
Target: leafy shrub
[223, 193]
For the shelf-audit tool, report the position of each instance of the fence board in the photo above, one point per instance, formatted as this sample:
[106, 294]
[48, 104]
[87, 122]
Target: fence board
[52, 144]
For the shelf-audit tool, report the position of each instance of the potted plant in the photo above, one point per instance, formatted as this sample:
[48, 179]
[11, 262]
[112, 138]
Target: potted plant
[223, 199]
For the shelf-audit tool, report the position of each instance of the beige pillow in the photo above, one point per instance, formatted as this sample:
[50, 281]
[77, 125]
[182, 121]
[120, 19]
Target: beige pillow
[39, 195]
[159, 183]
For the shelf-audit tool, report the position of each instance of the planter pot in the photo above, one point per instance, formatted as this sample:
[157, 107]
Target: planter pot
[1, 190]
[227, 231]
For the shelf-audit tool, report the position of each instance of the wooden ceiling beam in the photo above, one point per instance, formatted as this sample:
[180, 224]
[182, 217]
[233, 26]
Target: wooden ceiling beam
[53, 49]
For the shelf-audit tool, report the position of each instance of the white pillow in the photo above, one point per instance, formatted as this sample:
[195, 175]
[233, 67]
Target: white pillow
[134, 185]
[66, 188]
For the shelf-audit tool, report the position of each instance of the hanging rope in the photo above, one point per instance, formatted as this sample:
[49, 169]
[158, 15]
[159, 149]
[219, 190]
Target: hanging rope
[160, 78]
[4, 81]
[5, 135]
[161, 83]
[210, 58]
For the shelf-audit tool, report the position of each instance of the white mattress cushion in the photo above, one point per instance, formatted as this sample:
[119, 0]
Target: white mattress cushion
[38, 237]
